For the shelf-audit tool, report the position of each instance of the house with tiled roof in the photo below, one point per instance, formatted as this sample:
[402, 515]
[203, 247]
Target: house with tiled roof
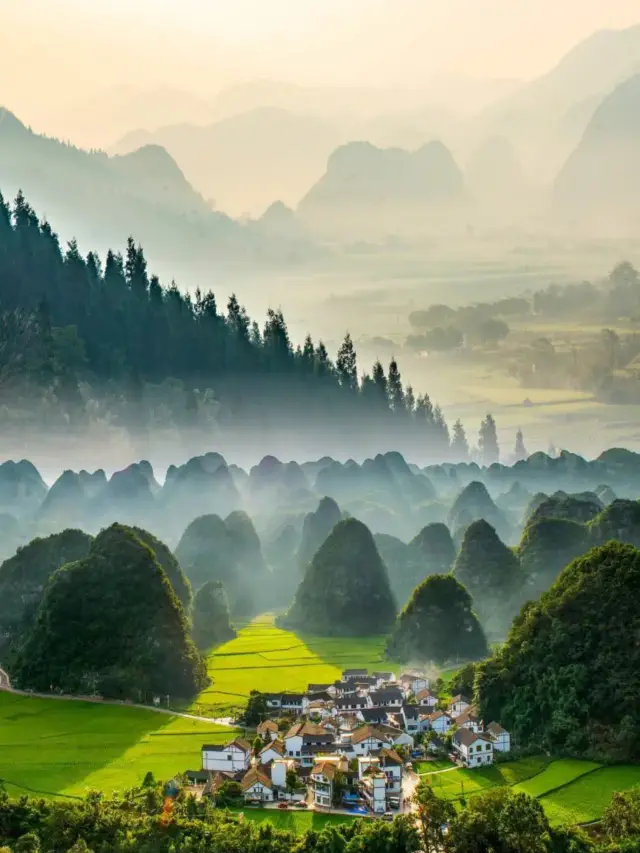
[458, 705]
[271, 752]
[257, 785]
[233, 757]
[387, 696]
[501, 737]
[440, 722]
[469, 719]
[268, 727]
[426, 698]
[322, 778]
[473, 749]
[303, 735]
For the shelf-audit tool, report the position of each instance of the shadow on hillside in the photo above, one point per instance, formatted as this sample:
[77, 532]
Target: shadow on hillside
[48, 746]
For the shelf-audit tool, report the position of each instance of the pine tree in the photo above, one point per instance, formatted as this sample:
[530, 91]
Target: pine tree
[394, 388]
[135, 269]
[459, 444]
[441, 437]
[346, 365]
[520, 450]
[488, 441]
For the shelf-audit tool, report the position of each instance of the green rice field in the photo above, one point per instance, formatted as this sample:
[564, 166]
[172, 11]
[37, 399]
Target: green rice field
[56, 748]
[462, 783]
[585, 799]
[266, 658]
[556, 775]
[295, 820]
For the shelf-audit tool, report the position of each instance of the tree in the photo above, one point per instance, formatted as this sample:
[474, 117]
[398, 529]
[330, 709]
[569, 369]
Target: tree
[257, 744]
[433, 817]
[459, 443]
[256, 710]
[520, 453]
[621, 819]
[292, 781]
[492, 331]
[501, 820]
[488, 441]
[346, 365]
[339, 787]
[394, 388]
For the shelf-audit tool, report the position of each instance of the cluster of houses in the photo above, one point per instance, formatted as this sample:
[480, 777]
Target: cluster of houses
[354, 730]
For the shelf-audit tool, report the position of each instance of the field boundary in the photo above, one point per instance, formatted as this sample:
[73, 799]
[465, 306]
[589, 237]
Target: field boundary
[565, 784]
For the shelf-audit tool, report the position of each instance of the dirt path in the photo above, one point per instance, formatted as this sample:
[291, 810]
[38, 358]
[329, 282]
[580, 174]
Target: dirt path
[5, 687]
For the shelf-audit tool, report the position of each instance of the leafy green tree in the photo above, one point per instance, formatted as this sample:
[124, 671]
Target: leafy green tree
[621, 819]
[346, 365]
[256, 710]
[568, 684]
[433, 818]
[501, 820]
[211, 624]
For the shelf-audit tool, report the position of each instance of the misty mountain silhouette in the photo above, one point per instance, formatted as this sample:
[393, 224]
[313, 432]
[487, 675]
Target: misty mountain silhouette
[601, 178]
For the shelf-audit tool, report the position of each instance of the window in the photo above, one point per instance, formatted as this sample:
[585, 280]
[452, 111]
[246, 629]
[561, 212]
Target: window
[229, 757]
[479, 747]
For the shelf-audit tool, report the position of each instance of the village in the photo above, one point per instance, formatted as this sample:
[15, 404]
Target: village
[347, 746]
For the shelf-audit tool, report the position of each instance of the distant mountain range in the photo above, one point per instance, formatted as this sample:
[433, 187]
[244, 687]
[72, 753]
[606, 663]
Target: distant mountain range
[246, 162]
[600, 183]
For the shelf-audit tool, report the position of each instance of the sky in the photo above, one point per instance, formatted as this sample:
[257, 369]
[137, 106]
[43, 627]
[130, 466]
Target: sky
[55, 54]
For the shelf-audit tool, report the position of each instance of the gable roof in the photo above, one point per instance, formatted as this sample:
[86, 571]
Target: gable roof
[317, 688]
[496, 729]
[241, 743]
[351, 673]
[276, 746]
[459, 698]
[412, 676]
[411, 712]
[465, 737]
[254, 775]
[437, 714]
[386, 696]
[267, 726]
[468, 716]
[425, 694]
[307, 730]
[365, 732]
[326, 768]
[390, 756]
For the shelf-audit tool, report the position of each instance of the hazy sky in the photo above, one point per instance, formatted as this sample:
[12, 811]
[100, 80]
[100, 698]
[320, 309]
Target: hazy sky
[54, 52]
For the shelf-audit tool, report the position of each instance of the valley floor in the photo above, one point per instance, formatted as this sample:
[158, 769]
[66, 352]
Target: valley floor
[64, 749]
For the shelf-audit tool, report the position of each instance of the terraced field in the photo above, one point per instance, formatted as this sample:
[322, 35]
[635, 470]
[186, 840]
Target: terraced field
[556, 775]
[264, 657]
[585, 799]
[459, 784]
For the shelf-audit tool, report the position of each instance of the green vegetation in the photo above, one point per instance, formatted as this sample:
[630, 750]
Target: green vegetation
[556, 775]
[58, 747]
[169, 564]
[587, 798]
[297, 821]
[462, 783]
[24, 576]
[266, 658]
[111, 624]
[491, 573]
[569, 684]
[438, 625]
[546, 547]
[211, 624]
[345, 590]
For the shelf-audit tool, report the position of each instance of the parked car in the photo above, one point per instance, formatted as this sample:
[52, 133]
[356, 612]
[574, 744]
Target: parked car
[301, 804]
[387, 816]
[283, 805]
[394, 802]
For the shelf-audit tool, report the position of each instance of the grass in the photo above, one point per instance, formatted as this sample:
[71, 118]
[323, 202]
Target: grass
[556, 775]
[423, 768]
[465, 783]
[292, 820]
[585, 799]
[266, 658]
[57, 748]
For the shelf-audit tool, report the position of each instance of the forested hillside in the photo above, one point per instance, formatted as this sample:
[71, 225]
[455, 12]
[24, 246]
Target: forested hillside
[110, 340]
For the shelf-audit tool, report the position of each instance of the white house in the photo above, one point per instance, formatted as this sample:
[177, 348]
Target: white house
[374, 789]
[294, 703]
[368, 739]
[322, 776]
[392, 766]
[440, 722]
[457, 706]
[234, 757]
[426, 698]
[469, 720]
[411, 718]
[354, 674]
[256, 785]
[271, 752]
[352, 702]
[389, 697]
[279, 770]
[303, 735]
[501, 737]
[384, 677]
[475, 750]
